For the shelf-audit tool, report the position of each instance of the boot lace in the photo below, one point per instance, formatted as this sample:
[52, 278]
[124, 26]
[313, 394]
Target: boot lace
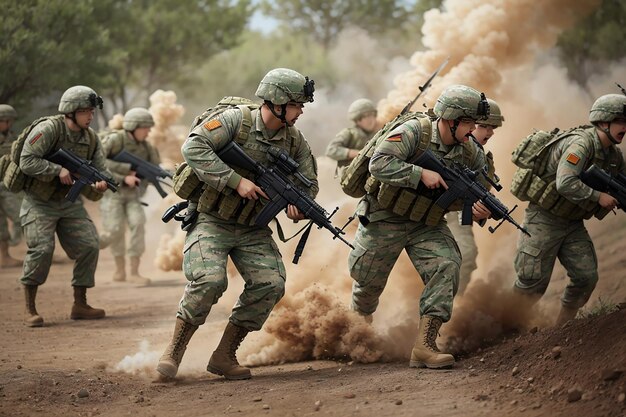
[431, 335]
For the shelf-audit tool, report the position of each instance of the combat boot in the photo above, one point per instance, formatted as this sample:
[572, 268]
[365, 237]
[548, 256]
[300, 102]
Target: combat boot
[224, 359]
[81, 310]
[120, 269]
[33, 319]
[170, 361]
[425, 353]
[6, 261]
[566, 314]
[134, 272]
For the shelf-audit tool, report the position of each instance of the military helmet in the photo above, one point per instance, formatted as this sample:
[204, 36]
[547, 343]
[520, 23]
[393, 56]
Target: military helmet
[495, 117]
[360, 108]
[459, 101]
[137, 117]
[7, 112]
[79, 97]
[282, 85]
[608, 108]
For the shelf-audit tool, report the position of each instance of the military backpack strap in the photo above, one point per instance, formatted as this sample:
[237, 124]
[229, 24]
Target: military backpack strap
[245, 126]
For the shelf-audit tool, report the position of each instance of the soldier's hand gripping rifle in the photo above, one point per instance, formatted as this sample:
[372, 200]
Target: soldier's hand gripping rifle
[274, 181]
[462, 184]
[602, 181]
[145, 170]
[82, 171]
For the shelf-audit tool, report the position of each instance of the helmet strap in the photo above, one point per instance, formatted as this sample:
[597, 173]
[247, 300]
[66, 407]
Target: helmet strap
[607, 131]
[280, 116]
[453, 129]
[72, 117]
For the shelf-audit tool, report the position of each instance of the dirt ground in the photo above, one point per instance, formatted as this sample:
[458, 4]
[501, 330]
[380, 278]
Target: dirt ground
[106, 367]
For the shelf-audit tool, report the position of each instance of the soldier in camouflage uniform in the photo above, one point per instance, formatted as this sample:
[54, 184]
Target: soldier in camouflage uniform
[45, 209]
[220, 230]
[125, 205]
[559, 231]
[424, 234]
[9, 202]
[463, 234]
[347, 144]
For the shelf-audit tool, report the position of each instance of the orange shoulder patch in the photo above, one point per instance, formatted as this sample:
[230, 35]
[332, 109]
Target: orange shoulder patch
[573, 159]
[395, 138]
[33, 140]
[212, 124]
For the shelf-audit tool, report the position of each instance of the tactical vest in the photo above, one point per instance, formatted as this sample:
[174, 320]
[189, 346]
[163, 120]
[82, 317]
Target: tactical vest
[119, 140]
[355, 179]
[5, 150]
[227, 204]
[533, 182]
[358, 139]
[419, 204]
[48, 187]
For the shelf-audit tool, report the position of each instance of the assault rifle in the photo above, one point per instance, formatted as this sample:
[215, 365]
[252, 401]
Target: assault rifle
[602, 181]
[82, 171]
[145, 170]
[462, 184]
[274, 181]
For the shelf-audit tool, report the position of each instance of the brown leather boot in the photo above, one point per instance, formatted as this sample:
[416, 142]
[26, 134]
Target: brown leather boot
[566, 314]
[425, 353]
[120, 269]
[33, 319]
[81, 310]
[6, 261]
[169, 362]
[224, 359]
[134, 272]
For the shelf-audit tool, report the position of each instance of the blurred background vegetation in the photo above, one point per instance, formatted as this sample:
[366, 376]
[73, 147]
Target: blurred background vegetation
[205, 49]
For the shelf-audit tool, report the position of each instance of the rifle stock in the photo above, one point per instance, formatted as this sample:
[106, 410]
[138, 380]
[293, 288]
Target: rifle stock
[602, 181]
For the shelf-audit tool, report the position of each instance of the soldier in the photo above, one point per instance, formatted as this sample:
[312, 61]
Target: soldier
[45, 209]
[424, 233]
[559, 231]
[124, 206]
[463, 234]
[347, 144]
[220, 231]
[9, 202]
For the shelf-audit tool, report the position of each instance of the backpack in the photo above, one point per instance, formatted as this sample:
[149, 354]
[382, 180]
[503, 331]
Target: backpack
[531, 157]
[354, 177]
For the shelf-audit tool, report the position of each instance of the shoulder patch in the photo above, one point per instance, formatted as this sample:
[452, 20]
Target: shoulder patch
[212, 124]
[573, 159]
[35, 139]
[395, 138]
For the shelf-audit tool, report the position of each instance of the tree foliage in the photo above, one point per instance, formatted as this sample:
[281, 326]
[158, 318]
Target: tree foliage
[324, 19]
[122, 48]
[595, 42]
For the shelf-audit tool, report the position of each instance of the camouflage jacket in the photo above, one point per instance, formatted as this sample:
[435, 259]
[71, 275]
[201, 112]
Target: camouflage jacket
[6, 140]
[350, 138]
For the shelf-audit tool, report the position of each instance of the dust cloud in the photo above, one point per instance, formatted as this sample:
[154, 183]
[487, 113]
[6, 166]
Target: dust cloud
[140, 363]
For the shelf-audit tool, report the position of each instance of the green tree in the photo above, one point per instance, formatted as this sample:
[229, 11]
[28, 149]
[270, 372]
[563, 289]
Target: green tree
[324, 19]
[158, 43]
[595, 42]
[48, 45]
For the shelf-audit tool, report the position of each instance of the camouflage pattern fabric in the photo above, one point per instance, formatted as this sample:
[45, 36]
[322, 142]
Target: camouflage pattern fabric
[464, 236]
[77, 235]
[41, 219]
[257, 258]
[349, 138]
[211, 241]
[554, 236]
[124, 207]
[9, 202]
[432, 249]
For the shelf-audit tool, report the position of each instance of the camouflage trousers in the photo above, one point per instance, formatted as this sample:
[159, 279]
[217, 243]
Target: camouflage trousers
[554, 237]
[257, 258]
[464, 236]
[10, 210]
[120, 209]
[432, 250]
[77, 235]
